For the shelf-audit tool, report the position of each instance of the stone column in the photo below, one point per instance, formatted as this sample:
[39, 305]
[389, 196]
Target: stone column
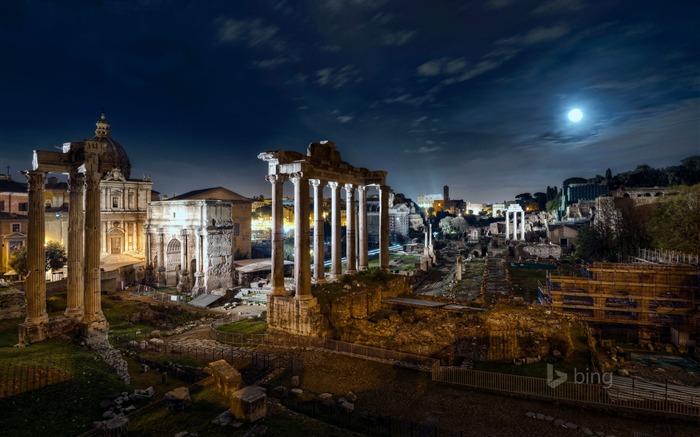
[515, 225]
[76, 247]
[93, 287]
[302, 258]
[507, 224]
[162, 273]
[350, 252]
[319, 258]
[522, 225]
[336, 253]
[35, 293]
[362, 249]
[277, 235]
[198, 275]
[184, 284]
[147, 245]
[384, 193]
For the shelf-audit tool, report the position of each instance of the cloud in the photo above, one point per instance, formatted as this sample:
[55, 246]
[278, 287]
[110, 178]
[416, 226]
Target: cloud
[398, 38]
[445, 66]
[254, 33]
[537, 35]
[344, 118]
[423, 149]
[558, 6]
[337, 78]
[497, 4]
[272, 63]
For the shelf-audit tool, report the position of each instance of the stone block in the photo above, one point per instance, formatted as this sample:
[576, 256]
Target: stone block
[226, 377]
[179, 398]
[249, 403]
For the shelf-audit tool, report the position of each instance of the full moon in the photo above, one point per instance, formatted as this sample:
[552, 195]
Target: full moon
[575, 115]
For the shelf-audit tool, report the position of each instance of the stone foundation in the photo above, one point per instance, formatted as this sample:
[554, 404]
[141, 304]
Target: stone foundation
[53, 328]
[293, 316]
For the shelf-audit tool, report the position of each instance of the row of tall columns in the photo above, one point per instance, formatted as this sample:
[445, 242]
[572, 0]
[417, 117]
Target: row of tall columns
[515, 224]
[84, 286]
[356, 242]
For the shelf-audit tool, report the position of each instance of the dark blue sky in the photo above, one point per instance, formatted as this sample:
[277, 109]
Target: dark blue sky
[469, 94]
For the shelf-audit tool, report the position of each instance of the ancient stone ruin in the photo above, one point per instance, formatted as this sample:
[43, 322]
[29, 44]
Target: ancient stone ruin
[321, 166]
[85, 162]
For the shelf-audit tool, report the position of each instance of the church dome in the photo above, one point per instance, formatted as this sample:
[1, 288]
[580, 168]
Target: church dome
[114, 154]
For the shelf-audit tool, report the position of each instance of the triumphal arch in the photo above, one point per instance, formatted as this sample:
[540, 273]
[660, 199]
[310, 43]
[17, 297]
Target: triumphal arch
[320, 167]
[85, 162]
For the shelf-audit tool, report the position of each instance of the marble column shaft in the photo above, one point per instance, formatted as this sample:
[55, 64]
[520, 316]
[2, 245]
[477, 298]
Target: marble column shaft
[384, 192]
[522, 225]
[350, 216]
[93, 286]
[336, 254]
[302, 257]
[319, 254]
[507, 224]
[277, 235]
[36, 259]
[515, 225]
[363, 260]
[76, 246]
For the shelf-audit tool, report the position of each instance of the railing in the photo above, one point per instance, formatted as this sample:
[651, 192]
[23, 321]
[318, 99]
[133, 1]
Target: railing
[617, 394]
[614, 395]
[17, 378]
[145, 290]
[398, 358]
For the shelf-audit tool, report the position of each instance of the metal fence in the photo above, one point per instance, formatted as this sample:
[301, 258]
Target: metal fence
[620, 393]
[22, 377]
[402, 359]
[613, 395]
[145, 290]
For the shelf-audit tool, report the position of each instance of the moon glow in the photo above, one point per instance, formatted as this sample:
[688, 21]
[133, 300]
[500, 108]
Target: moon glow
[575, 115]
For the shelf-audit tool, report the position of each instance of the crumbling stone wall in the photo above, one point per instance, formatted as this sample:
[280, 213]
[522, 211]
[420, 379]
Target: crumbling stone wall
[12, 305]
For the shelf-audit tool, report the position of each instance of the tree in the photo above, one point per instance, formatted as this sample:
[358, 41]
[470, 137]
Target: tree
[18, 260]
[675, 222]
[55, 258]
[55, 255]
[618, 230]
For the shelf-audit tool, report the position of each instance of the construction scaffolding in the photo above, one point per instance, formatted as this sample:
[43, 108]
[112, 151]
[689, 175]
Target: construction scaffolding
[644, 295]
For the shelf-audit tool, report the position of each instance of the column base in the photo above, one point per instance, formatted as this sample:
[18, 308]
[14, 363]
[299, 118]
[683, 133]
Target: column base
[319, 281]
[350, 272]
[75, 313]
[294, 316]
[278, 290]
[95, 321]
[31, 333]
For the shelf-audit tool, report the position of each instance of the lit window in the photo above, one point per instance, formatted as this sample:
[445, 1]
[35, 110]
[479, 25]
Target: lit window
[16, 227]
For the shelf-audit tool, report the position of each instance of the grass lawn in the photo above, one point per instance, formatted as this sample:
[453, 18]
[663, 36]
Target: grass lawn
[526, 281]
[245, 327]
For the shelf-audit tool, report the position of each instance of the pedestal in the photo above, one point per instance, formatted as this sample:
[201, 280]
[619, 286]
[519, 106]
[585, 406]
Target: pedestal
[293, 316]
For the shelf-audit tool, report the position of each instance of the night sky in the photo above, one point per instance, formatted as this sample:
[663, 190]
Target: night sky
[471, 94]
